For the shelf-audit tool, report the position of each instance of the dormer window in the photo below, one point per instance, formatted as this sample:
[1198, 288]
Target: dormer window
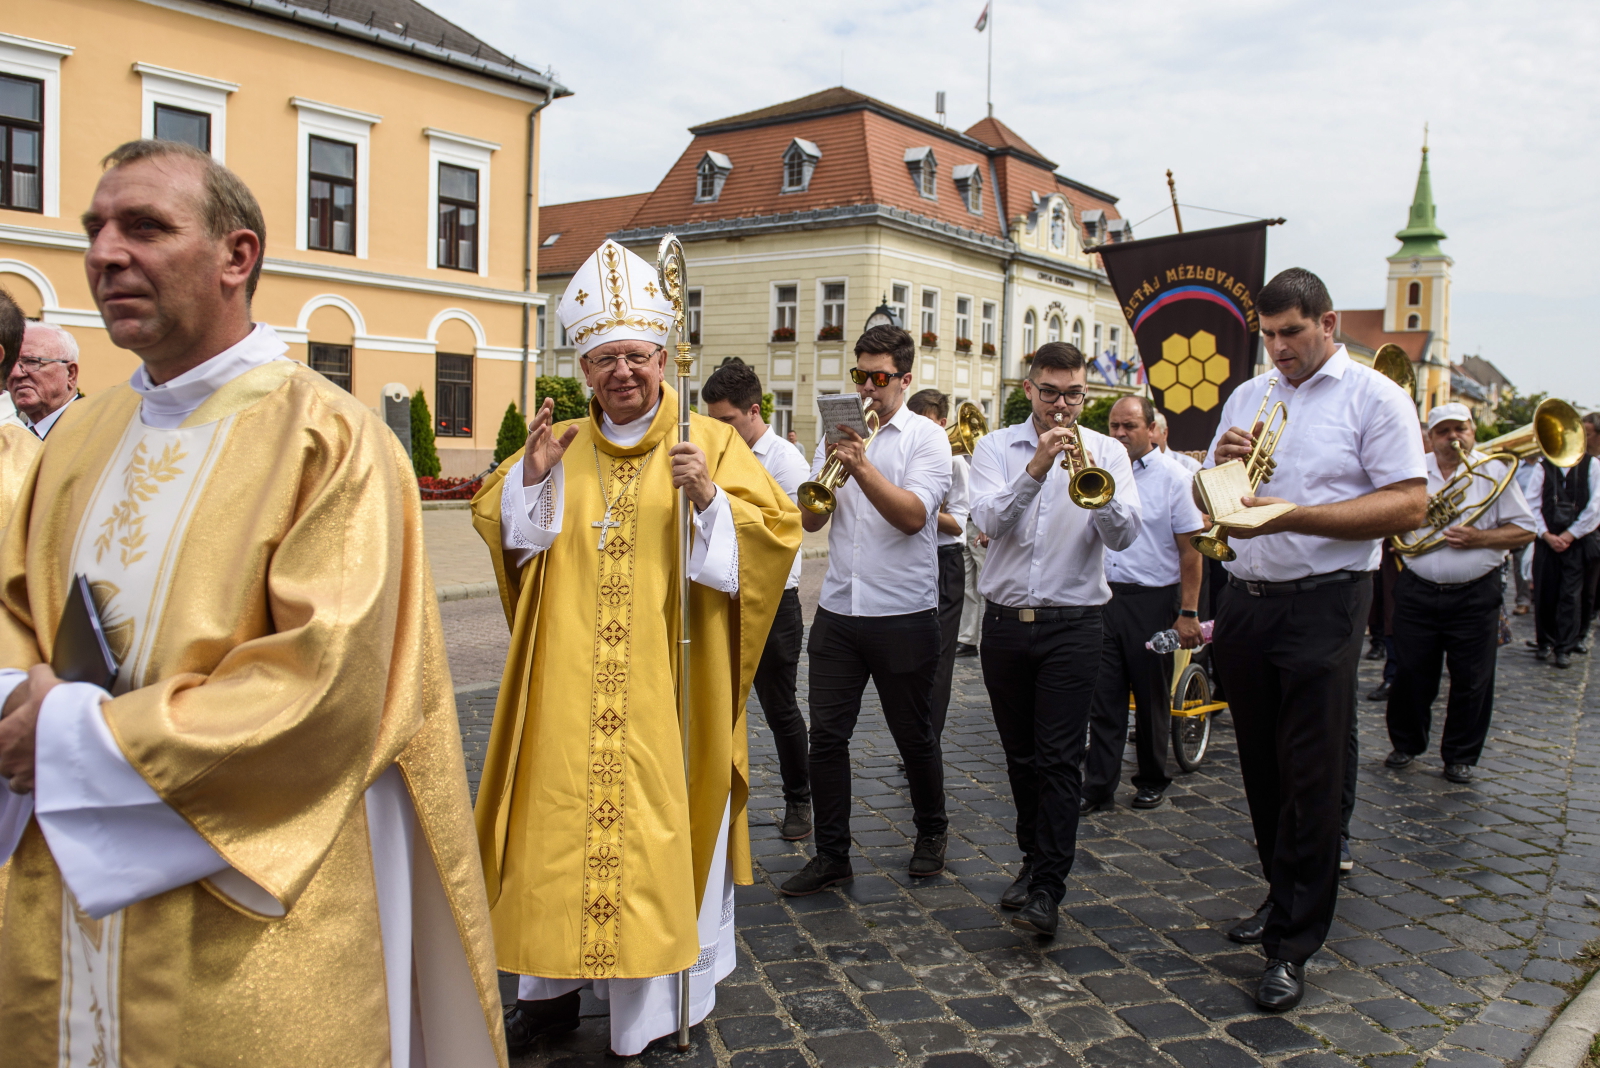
[1058, 228]
[923, 167]
[710, 174]
[1094, 225]
[969, 183]
[1118, 231]
[799, 160]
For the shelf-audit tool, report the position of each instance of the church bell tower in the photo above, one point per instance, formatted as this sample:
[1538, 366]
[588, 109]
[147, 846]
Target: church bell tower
[1417, 298]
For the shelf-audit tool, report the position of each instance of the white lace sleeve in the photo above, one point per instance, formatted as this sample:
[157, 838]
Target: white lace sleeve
[529, 519]
[714, 560]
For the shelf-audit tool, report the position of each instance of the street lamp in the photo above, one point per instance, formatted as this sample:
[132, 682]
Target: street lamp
[882, 315]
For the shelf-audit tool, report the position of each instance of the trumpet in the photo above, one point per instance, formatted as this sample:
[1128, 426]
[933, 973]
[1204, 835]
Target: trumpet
[1258, 468]
[1090, 486]
[817, 496]
[970, 425]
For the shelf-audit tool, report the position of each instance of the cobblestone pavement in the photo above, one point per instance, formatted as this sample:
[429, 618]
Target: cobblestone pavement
[1456, 933]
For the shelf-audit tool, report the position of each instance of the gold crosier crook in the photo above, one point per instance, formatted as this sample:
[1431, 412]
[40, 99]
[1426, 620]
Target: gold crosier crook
[1089, 486]
[672, 271]
[1258, 467]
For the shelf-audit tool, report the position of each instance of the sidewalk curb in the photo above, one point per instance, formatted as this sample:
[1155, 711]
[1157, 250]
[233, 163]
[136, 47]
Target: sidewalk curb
[465, 591]
[1566, 1042]
[819, 552]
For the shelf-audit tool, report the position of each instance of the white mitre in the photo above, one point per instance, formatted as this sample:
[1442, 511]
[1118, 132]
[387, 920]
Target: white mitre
[615, 296]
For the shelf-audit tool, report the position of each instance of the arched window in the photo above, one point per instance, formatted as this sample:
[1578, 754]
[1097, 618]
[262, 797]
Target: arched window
[1414, 294]
[1058, 228]
[1053, 331]
[1077, 334]
[1030, 327]
[1413, 322]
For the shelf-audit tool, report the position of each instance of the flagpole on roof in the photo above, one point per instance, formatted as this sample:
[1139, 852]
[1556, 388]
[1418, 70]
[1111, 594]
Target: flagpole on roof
[984, 18]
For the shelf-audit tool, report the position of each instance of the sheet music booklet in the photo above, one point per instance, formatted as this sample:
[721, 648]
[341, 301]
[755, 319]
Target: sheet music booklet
[1220, 490]
[836, 408]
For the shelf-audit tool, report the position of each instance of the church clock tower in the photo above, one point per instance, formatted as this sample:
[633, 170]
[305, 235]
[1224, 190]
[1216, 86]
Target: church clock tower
[1418, 292]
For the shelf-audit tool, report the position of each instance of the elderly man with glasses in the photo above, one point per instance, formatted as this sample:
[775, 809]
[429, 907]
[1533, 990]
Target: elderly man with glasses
[44, 380]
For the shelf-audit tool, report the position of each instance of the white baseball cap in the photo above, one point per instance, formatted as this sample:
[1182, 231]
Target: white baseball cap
[1446, 412]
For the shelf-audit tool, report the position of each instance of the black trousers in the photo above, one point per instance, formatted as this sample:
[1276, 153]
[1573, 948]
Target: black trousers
[774, 687]
[1133, 614]
[1289, 663]
[1040, 678]
[952, 595]
[1558, 595]
[1434, 628]
[899, 654]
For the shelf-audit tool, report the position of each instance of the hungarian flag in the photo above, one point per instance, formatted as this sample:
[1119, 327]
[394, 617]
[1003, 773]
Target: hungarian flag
[983, 19]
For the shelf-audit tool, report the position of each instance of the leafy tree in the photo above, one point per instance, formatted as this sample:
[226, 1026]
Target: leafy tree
[568, 394]
[1017, 408]
[424, 457]
[1512, 412]
[1096, 415]
[513, 434]
[766, 407]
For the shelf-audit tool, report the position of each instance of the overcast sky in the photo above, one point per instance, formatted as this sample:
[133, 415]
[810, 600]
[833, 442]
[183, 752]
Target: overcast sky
[1312, 111]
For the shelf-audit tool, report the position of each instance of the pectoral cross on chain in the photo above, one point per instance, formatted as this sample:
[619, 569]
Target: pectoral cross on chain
[604, 522]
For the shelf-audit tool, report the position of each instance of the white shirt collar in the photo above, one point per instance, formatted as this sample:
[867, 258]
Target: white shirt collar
[166, 406]
[1333, 367]
[764, 442]
[628, 434]
[42, 427]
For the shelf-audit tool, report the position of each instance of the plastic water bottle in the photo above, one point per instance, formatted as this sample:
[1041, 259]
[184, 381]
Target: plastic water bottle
[1167, 641]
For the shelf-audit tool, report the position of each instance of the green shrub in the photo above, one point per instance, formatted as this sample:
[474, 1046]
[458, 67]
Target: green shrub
[568, 394]
[766, 407]
[1017, 408]
[513, 434]
[1096, 415]
[424, 457]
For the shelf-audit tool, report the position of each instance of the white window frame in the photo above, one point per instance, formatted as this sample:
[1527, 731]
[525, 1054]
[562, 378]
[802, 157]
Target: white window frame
[1054, 325]
[923, 311]
[1114, 342]
[1077, 335]
[1030, 332]
[461, 151]
[773, 313]
[969, 183]
[960, 333]
[782, 414]
[24, 57]
[901, 308]
[192, 92]
[1097, 335]
[809, 155]
[924, 169]
[336, 124]
[717, 165]
[694, 307]
[823, 303]
[991, 316]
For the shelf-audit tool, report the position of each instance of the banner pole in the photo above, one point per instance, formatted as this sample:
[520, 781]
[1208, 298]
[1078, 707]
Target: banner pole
[1172, 187]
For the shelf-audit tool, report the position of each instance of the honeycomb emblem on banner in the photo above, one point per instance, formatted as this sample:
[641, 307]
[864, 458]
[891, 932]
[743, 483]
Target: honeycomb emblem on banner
[1189, 372]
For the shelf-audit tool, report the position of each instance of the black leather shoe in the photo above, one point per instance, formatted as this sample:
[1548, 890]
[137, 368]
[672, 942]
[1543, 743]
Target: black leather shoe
[529, 1021]
[1563, 660]
[1458, 772]
[1248, 931]
[1086, 806]
[796, 821]
[1016, 895]
[963, 649]
[1397, 759]
[1541, 652]
[1038, 915]
[927, 858]
[1380, 694]
[1282, 986]
[818, 874]
[1582, 649]
[1148, 798]
[1376, 651]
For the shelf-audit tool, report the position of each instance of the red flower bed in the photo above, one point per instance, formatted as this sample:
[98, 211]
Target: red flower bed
[448, 489]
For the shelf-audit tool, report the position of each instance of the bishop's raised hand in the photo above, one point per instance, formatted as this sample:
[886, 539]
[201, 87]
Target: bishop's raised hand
[544, 450]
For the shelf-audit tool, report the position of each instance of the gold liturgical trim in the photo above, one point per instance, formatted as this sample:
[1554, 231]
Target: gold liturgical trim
[608, 724]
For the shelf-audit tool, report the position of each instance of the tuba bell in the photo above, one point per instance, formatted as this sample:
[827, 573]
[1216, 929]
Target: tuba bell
[970, 425]
[1391, 362]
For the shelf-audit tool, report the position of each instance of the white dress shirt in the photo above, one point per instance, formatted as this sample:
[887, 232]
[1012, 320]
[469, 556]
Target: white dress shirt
[874, 569]
[1045, 551]
[956, 502]
[42, 427]
[1448, 566]
[1587, 520]
[1166, 509]
[1182, 459]
[787, 466]
[530, 518]
[1351, 431]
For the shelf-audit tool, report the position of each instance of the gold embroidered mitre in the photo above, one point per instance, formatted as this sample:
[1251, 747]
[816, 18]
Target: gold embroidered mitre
[615, 296]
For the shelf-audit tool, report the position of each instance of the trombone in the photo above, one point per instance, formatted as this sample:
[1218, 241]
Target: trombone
[817, 496]
[1090, 486]
[1555, 433]
[1258, 468]
[970, 425]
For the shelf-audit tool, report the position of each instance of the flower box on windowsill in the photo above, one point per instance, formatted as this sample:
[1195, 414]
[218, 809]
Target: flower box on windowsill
[929, 339]
[694, 337]
[783, 334]
[988, 348]
[831, 333]
[1027, 357]
[963, 344]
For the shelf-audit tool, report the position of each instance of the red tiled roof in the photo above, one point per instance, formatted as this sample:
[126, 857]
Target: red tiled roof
[1365, 327]
[582, 225]
[996, 134]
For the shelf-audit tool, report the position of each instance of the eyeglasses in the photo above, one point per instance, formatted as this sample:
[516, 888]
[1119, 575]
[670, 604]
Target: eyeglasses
[607, 364]
[879, 378]
[1074, 397]
[37, 363]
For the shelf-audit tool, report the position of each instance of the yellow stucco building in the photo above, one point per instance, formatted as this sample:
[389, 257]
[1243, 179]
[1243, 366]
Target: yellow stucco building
[394, 154]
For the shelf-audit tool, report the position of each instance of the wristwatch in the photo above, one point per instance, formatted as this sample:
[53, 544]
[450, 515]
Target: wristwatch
[1188, 613]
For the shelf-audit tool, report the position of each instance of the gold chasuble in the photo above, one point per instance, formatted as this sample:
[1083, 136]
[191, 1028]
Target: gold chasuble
[262, 576]
[595, 853]
[18, 447]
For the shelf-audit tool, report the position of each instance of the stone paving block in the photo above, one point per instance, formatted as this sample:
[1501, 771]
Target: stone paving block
[1461, 1058]
[743, 1032]
[1366, 952]
[956, 1060]
[740, 1000]
[1122, 989]
[777, 943]
[896, 1005]
[1162, 1021]
[1082, 960]
[1462, 963]
[1039, 992]
[1084, 1023]
[824, 1012]
[857, 952]
[860, 1050]
[1208, 1053]
[1416, 939]
[1397, 1013]
[799, 975]
[1213, 998]
[1497, 1041]
[769, 1058]
[1123, 1053]
[1318, 1059]
[1166, 965]
[1350, 1033]
[1541, 994]
[1132, 939]
[988, 1013]
[874, 977]
[1024, 1051]
[1270, 1035]
[1427, 985]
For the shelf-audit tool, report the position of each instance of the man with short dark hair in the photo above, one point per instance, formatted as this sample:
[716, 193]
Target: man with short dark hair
[1044, 587]
[1290, 620]
[1155, 584]
[44, 379]
[878, 614]
[733, 395]
[931, 404]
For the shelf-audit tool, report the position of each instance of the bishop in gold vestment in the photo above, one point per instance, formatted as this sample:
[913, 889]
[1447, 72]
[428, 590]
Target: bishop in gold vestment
[601, 866]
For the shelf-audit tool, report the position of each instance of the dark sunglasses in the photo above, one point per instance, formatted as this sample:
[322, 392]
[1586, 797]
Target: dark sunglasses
[879, 378]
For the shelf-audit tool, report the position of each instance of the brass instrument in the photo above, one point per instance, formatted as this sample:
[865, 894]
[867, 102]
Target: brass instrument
[1556, 433]
[817, 496]
[970, 425]
[1090, 486]
[1258, 468]
[1391, 362]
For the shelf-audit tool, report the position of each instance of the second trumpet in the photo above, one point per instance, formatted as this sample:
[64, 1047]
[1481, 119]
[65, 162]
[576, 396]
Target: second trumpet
[1090, 486]
[817, 496]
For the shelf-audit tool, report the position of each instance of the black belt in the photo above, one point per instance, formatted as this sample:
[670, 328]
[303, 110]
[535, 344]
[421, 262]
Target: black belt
[1042, 615]
[1445, 586]
[1135, 587]
[950, 548]
[1280, 589]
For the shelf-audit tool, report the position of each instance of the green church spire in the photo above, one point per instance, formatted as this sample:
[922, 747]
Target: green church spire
[1422, 235]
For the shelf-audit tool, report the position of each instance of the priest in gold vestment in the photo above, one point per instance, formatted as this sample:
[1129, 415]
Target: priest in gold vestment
[603, 868]
[256, 848]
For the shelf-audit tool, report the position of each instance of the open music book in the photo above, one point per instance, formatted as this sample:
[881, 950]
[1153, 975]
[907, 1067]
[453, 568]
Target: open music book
[1220, 490]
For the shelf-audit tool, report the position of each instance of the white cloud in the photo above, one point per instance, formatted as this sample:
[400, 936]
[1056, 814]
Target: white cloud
[1312, 111]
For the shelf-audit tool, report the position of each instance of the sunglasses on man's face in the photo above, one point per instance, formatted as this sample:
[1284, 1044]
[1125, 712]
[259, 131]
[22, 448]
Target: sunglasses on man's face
[879, 378]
